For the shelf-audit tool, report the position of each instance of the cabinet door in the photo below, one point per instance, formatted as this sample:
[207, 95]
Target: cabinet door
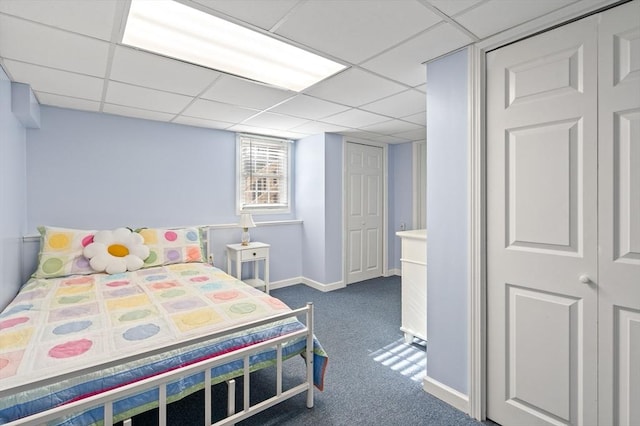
[414, 299]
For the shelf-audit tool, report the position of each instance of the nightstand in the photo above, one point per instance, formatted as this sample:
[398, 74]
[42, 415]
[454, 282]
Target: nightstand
[253, 252]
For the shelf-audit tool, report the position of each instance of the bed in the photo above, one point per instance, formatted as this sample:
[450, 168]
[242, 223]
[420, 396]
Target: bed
[78, 346]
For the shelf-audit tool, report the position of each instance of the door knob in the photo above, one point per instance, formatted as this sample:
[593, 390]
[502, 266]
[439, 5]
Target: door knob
[584, 278]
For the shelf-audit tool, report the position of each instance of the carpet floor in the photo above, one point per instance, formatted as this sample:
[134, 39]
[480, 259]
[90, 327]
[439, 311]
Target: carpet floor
[373, 377]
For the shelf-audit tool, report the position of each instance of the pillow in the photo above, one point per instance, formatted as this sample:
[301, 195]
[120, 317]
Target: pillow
[61, 249]
[167, 246]
[61, 252]
[116, 251]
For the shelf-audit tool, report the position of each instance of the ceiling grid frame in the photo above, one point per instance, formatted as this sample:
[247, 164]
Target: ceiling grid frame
[384, 85]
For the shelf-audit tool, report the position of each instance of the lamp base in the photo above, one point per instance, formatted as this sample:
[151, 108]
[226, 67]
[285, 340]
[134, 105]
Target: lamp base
[245, 238]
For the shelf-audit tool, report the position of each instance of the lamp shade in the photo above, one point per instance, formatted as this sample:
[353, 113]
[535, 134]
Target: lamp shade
[246, 221]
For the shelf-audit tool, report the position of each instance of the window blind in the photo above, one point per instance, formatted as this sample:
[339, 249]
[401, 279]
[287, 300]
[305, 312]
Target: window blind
[264, 174]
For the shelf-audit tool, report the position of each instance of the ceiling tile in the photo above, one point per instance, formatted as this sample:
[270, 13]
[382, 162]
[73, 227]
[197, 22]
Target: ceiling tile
[405, 62]
[59, 47]
[41, 45]
[308, 107]
[267, 131]
[56, 82]
[402, 104]
[340, 27]
[201, 122]
[240, 92]
[389, 139]
[157, 72]
[260, 13]
[420, 118]
[413, 135]
[360, 134]
[450, 8]
[217, 111]
[94, 18]
[355, 118]
[274, 121]
[392, 127]
[355, 87]
[67, 102]
[143, 98]
[315, 127]
[497, 15]
[136, 112]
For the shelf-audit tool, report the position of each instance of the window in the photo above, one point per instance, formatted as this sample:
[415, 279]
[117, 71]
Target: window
[263, 174]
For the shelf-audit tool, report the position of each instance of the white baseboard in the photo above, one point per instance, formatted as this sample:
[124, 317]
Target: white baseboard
[286, 283]
[447, 394]
[323, 287]
[395, 271]
[308, 282]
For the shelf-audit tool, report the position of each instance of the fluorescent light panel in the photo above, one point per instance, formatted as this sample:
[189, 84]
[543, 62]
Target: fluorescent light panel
[178, 31]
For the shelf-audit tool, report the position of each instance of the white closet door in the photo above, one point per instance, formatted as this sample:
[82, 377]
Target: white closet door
[619, 215]
[542, 228]
[364, 212]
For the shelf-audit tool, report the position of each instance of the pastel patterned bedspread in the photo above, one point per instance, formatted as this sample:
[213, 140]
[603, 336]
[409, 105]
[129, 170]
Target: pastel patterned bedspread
[57, 325]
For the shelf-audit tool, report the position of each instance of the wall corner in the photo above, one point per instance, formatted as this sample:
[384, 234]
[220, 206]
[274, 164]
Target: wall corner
[25, 106]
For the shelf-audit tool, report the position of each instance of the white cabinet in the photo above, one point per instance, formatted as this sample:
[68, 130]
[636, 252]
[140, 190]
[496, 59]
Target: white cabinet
[414, 284]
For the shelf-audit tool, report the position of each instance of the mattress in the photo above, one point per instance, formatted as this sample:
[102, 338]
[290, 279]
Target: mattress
[60, 325]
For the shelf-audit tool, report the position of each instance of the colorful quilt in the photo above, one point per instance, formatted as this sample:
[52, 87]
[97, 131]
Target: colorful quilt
[57, 325]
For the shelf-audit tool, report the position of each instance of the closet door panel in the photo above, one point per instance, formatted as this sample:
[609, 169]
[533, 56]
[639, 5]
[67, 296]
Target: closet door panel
[542, 228]
[619, 215]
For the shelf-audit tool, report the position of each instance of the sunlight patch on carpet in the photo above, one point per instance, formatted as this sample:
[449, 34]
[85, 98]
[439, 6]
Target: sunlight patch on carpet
[408, 360]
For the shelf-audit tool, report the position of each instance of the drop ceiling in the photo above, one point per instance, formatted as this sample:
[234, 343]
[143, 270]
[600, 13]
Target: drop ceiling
[69, 51]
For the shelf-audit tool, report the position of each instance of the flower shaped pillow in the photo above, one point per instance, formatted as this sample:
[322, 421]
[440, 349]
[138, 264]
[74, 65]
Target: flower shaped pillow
[116, 251]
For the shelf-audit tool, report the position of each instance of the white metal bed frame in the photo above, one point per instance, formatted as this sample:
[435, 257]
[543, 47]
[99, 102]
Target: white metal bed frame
[107, 398]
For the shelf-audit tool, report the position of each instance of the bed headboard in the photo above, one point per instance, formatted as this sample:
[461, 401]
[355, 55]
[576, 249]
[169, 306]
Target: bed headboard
[30, 249]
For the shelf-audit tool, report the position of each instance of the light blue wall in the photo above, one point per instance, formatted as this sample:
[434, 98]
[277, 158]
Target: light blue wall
[90, 170]
[310, 204]
[333, 207]
[12, 194]
[284, 254]
[447, 220]
[319, 205]
[400, 191]
[99, 171]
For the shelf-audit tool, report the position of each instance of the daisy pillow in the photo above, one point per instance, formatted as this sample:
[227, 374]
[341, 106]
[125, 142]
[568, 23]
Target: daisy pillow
[116, 251]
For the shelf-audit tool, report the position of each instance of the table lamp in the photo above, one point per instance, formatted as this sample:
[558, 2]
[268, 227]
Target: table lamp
[246, 222]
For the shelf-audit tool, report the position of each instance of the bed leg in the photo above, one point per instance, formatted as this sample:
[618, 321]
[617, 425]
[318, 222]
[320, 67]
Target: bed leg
[207, 397]
[309, 355]
[127, 422]
[231, 397]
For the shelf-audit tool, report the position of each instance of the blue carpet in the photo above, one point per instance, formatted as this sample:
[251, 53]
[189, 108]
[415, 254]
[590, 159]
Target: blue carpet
[373, 378]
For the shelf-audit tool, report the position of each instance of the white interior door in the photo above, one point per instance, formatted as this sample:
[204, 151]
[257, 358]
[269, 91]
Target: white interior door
[542, 228]
[619, 215]
[364, 212]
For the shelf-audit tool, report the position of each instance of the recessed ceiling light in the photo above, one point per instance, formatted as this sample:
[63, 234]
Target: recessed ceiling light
[173, 29]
